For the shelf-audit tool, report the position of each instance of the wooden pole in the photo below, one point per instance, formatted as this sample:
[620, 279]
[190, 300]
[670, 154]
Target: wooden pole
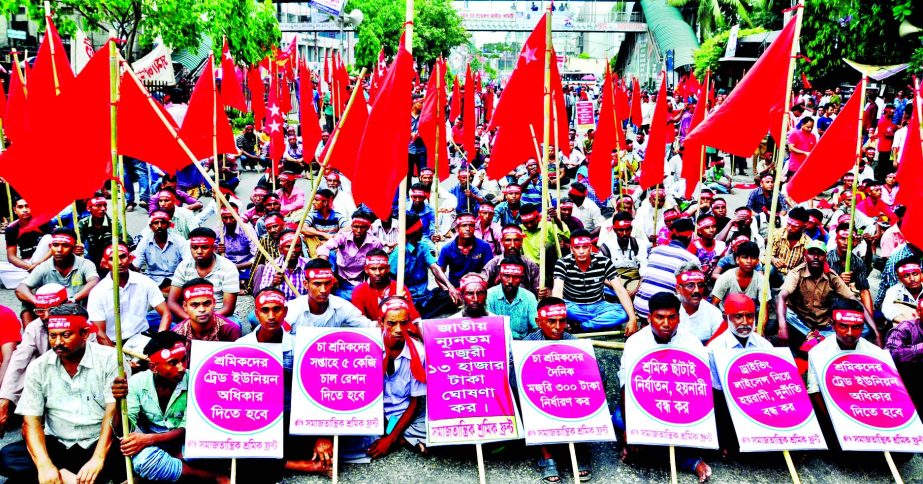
[610, 345]
[672, 464]
[215, 145]
[780, 151]
[656, 208]
[546, 141]
[233, 471]
[557, 162]
[855, 171]
[791, 467]
[573, 462]
[335, 472]
[894, 472]
[402, 191]
[482, 470]
[114, 187]
[440, 91]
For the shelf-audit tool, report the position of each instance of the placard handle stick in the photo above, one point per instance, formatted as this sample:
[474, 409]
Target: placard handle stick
[791, 467]
[672, 464]
[482, 473]
[336, 459]
[894, 472]
[573, 461]
[233, 471]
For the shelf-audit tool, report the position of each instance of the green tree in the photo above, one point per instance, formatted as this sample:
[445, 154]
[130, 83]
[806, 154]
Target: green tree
[437, 29]
[715, 15]
[707, 55]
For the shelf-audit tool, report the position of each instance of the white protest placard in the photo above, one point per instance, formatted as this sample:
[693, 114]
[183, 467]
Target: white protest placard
[157, 65]
[338, 382]
[561, 392]
[868, 403]
[767, 400]
[585, 116]
[668, 399]
[468, 394]
[236, 395]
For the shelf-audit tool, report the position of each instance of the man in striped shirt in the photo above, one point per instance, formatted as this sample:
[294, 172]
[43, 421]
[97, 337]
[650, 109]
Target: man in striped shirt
[579, 278]
[662, 263]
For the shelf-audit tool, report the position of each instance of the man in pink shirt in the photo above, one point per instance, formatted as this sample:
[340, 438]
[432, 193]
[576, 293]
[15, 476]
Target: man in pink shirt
[800, 144]
[873, 206]
[292, 197]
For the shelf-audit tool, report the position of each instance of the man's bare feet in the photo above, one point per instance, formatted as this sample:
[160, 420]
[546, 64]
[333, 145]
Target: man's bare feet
[308, 467]
[703, 471]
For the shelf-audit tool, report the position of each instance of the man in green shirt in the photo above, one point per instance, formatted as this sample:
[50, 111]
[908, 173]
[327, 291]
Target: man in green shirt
[508, 299]
[532, 242]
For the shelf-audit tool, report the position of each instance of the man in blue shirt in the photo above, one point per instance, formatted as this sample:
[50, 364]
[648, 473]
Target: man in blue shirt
[468, 197]
[419, 207]
[465, 253]
[419, 258]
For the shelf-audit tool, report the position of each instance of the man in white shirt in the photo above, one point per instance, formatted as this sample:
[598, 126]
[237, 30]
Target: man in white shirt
[586, 210]
[900, 300]
[319, 308]
[698, 317]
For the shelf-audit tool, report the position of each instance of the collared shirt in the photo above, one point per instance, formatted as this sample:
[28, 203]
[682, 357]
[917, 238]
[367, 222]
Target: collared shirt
[703, 323]
[96, 239]
[905, 342]
[350, 257]
[521, 310]
[660, 273]
[418, 259]
[464, 203]
[82, 271]
[238, 248]
[139, 295]
[332, 223]
[538, 335]
[531, 280]
[827, 349]
[811, 298]
[427, 218]
[25, 241]
[73, 407]
[727, 341]
[159, 263]
[223, 276]
[860, 280]
[532, 241]
[898, 301]
[504, 215]
[628, 258]
[386, 236]
[789, 255]
[459, 263]
[401, 385]
[291, 202]
[288, 347]
[183, 221]
[492, 235]
[889, 274]
[759, 201]
[584, 287]
[182, 197]
[589, 214]
[339, 313]
[727, 284]
[223, 330]
[144, 411]
[876, 209]
[270, 245]
[643, 341]
[295, 275]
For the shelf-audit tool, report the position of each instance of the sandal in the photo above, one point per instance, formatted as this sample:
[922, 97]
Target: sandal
[549, 471]
[584, 472]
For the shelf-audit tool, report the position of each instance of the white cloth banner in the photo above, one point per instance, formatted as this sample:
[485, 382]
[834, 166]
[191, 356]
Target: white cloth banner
[156, 66]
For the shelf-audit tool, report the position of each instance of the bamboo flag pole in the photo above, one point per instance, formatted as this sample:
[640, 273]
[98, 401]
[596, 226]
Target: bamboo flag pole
[557, 162]
[855, 170]
[440, 91]
[673, 465]
[618, 151]
[546, 139]
[221, 199]
[894, 472]
[780, 151]
[114, 187]
[315, 184]
[791, 467]
[211, 61]
[402, 191]
[575, 467]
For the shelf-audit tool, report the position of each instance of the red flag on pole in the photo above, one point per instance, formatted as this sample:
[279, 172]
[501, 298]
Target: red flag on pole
[14, 119]
[488, 104]
[433, 115]
[382, 156]
[910, 165]
[310, 124]
[833, 156]
[257, 96]
[275, 125]
[79, 160]
[622, 107]
[341, 86]
[455, 107]
[327, 68]
[468, 116]
[693, 162]
[198, 125]
[636, 117]
[734, 127]
[350, 127]
[232, 94]
[50, 76]
[600, 159]
[652, 167]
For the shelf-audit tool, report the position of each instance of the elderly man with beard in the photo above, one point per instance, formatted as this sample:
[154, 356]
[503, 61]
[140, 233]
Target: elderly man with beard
[698, 317]
[739, 318]
[511, 240]
[473, 289]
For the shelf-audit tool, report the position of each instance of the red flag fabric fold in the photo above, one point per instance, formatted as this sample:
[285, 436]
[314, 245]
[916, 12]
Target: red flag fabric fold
[200, 122]
[275, 125]
[755, 106]
[600, 159]
[652, 167]
[350, 128]
[910, 165]
[142, 132]
[455, 107]
[833, 156]
[341, 88]
[693, 158]
[14, 119]
[232, 93]
[382, 155]
[433, 116]
[310, 125]
[636, 117]
[50, 76]
[468, 116]
[257, 96]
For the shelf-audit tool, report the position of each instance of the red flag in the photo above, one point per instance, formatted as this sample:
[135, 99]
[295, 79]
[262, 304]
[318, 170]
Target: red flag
[653, 166]
[340, 88]
[382, 155]
[468, 116]
[755, 106]
[285, 96]
[433, 115]
[692, 84]
[14, 119]
[805, 82]
[232, 94]
[455, 108]
[257, 96]
[488, 104]
[50, 76]
[600, 164]
[79, 160]
[520, 110]
[912, 226]
[622, 108]
[693, 158]
[310, 126]
[204, 116]
[145, 130]
[635, 102]
[327, 68]
[833, 156]
[910, 165]
[2, 101]
[346, 148]
[275, 125]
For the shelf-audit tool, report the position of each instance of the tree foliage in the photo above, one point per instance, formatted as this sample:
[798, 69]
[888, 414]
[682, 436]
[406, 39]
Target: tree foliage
[250, 26]
[437, 28]
[715, 15]
[707, 55]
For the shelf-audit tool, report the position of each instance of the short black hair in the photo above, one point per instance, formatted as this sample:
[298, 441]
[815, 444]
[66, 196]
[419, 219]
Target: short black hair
[683, 225]
[799, 214]
[325, 193]
[907, 260]
[364, 214]
[202, 232]
[813, 212]
[68, 309]
[580, 233]
[163, 340]
[749, 248]
[578, 186]
[317, 263]
[527, 208]
[663, 300]
[619, 216]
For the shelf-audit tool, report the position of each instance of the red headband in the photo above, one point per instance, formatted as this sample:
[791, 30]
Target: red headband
[45, 301]
[908, 269]
[177, 352]
[472, 279]
[621, 224]
[361, 221]
[690, 276]
[376, 260]
[201, 240]
[795, 223]
[260, 191]
[269, 297]
[322, 274]
[577, 193]
[200, 290]
[581, 241]
[466, 219]
[393, 304]
[416, 192]
[288, 238]
[160, 216]
[225, 211]
[63, 239]
[288, 176]
[847, 316]
[528, 217]
[511, 269]
[512, 188]
[671, 215]
[486, 209]
[568, 203]
[706, 222]
[98, 200]
[738, 303]
[71, 322]
[273, 219]
[552, 311]
[511, 230]
[107, 254]
[167, 194]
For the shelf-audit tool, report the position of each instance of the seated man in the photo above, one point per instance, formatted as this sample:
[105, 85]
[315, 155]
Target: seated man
[805, 297]
[322, 222]
[351, 248]
[905, 343]
[205, 263]
[660, 273]
[235, 244]
[737, 334]
[70, 388]
[157, 413]
[900, 303]
[25, 249]
[473, 289]
[627, 253]
[465, 253]
[698, 317]
[511, 240]
[663, 331]
[579, 278]
[203, 323]
[510, 300]
[378, 286]
[159, 252]
[743, 279]
[420, 262]
[319, 307]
